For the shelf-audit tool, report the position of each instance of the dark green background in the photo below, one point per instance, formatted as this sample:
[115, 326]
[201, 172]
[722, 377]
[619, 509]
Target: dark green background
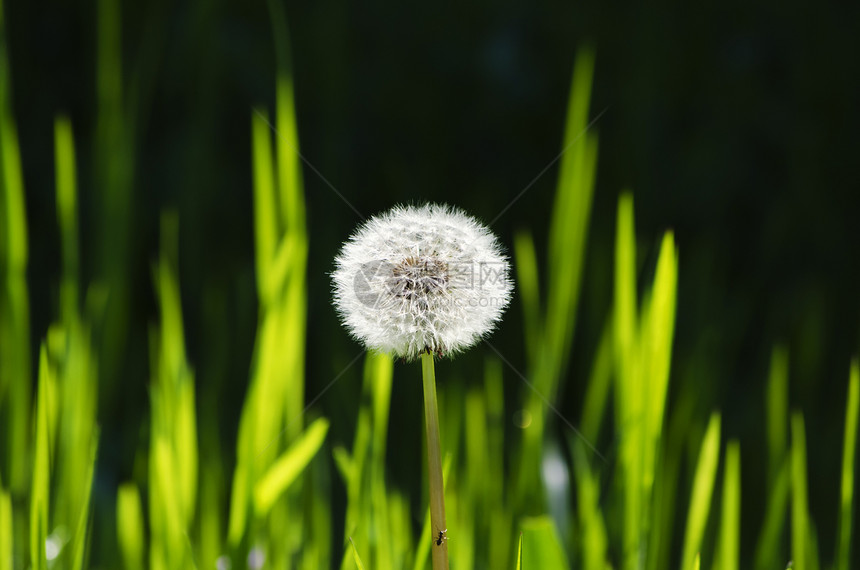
[736, 125]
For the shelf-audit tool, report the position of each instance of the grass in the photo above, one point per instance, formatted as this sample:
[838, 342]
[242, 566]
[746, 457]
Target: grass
[565, 503]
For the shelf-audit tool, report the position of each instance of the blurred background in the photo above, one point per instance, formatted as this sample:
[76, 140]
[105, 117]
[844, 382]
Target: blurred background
[734, 124]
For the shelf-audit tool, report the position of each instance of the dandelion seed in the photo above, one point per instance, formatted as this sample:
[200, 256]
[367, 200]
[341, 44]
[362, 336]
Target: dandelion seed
[421, 279]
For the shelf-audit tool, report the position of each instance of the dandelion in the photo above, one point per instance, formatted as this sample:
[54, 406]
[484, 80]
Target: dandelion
[419, 281]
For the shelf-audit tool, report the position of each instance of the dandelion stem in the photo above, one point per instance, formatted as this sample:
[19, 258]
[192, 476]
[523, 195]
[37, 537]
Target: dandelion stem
[434, 463]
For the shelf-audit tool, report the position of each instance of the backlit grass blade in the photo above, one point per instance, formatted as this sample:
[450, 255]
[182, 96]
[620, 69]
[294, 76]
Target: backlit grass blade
[80, 538]
[66, 180]
[130, 531]
[40, 489]
[776, 402]
[529, 290]
[629, 396]
[6, 534]
[355, 555]
[700, 499]
[289, 466]
[266, 228]
[70, 347]
[658, 334]
[852, 409]
[114, 176]
[657, 328]
[730, 525]
[173, 461]
[625, 288]
[800, 526]
[541, 547]
[15, 355]
[520, 552]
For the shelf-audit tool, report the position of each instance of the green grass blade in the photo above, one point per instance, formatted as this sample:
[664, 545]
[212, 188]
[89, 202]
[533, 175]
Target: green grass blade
[79, 541]
[15, 355]
[852, 409]
[703, 485]
[659, 333]
[777, 410]
[266, 229]
[130, 531]
[66, 180]
[355, 555]
[289, 466]
[6, 534]
[800, 526]
[529, 291]
[730, 525]
[629, 396]
[173, 463]
[40, 490]
[541, 547]
[625, 299]
[520, 552]
[379, 371]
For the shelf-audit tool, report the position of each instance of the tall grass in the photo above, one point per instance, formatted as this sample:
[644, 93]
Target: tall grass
[565, 503]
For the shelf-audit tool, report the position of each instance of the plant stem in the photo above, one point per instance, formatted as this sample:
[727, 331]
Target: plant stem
[434, 464]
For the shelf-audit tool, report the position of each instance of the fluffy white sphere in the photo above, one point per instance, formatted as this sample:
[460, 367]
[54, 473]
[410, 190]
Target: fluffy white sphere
[417, 279]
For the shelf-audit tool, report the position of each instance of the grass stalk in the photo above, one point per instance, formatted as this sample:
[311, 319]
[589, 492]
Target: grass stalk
[843, 549]
[434, 464]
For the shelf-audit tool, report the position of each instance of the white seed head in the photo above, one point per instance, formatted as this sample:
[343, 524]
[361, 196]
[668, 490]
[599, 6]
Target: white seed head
[416, 279]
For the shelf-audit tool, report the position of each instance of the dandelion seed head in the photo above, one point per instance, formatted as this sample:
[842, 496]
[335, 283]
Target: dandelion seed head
[421, 278]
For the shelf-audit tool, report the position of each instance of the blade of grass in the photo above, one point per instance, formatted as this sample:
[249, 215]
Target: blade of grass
[777, 410]
[659, 328]
[6, 534]
[629, 397]
[266, 229]
[173, 464]
[730, 527]
[355, 555]
[520, 552]
[15, 367]
[114, 180]
[79, 541]
[286, 469]
[852, 410]
[67, 214]
[800, 527]
[130, 531]
[40, 490]
[703, 485]
[656, 338]
[529, 291]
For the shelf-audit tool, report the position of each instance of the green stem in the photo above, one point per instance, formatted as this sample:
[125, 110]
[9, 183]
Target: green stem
[434, 464]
